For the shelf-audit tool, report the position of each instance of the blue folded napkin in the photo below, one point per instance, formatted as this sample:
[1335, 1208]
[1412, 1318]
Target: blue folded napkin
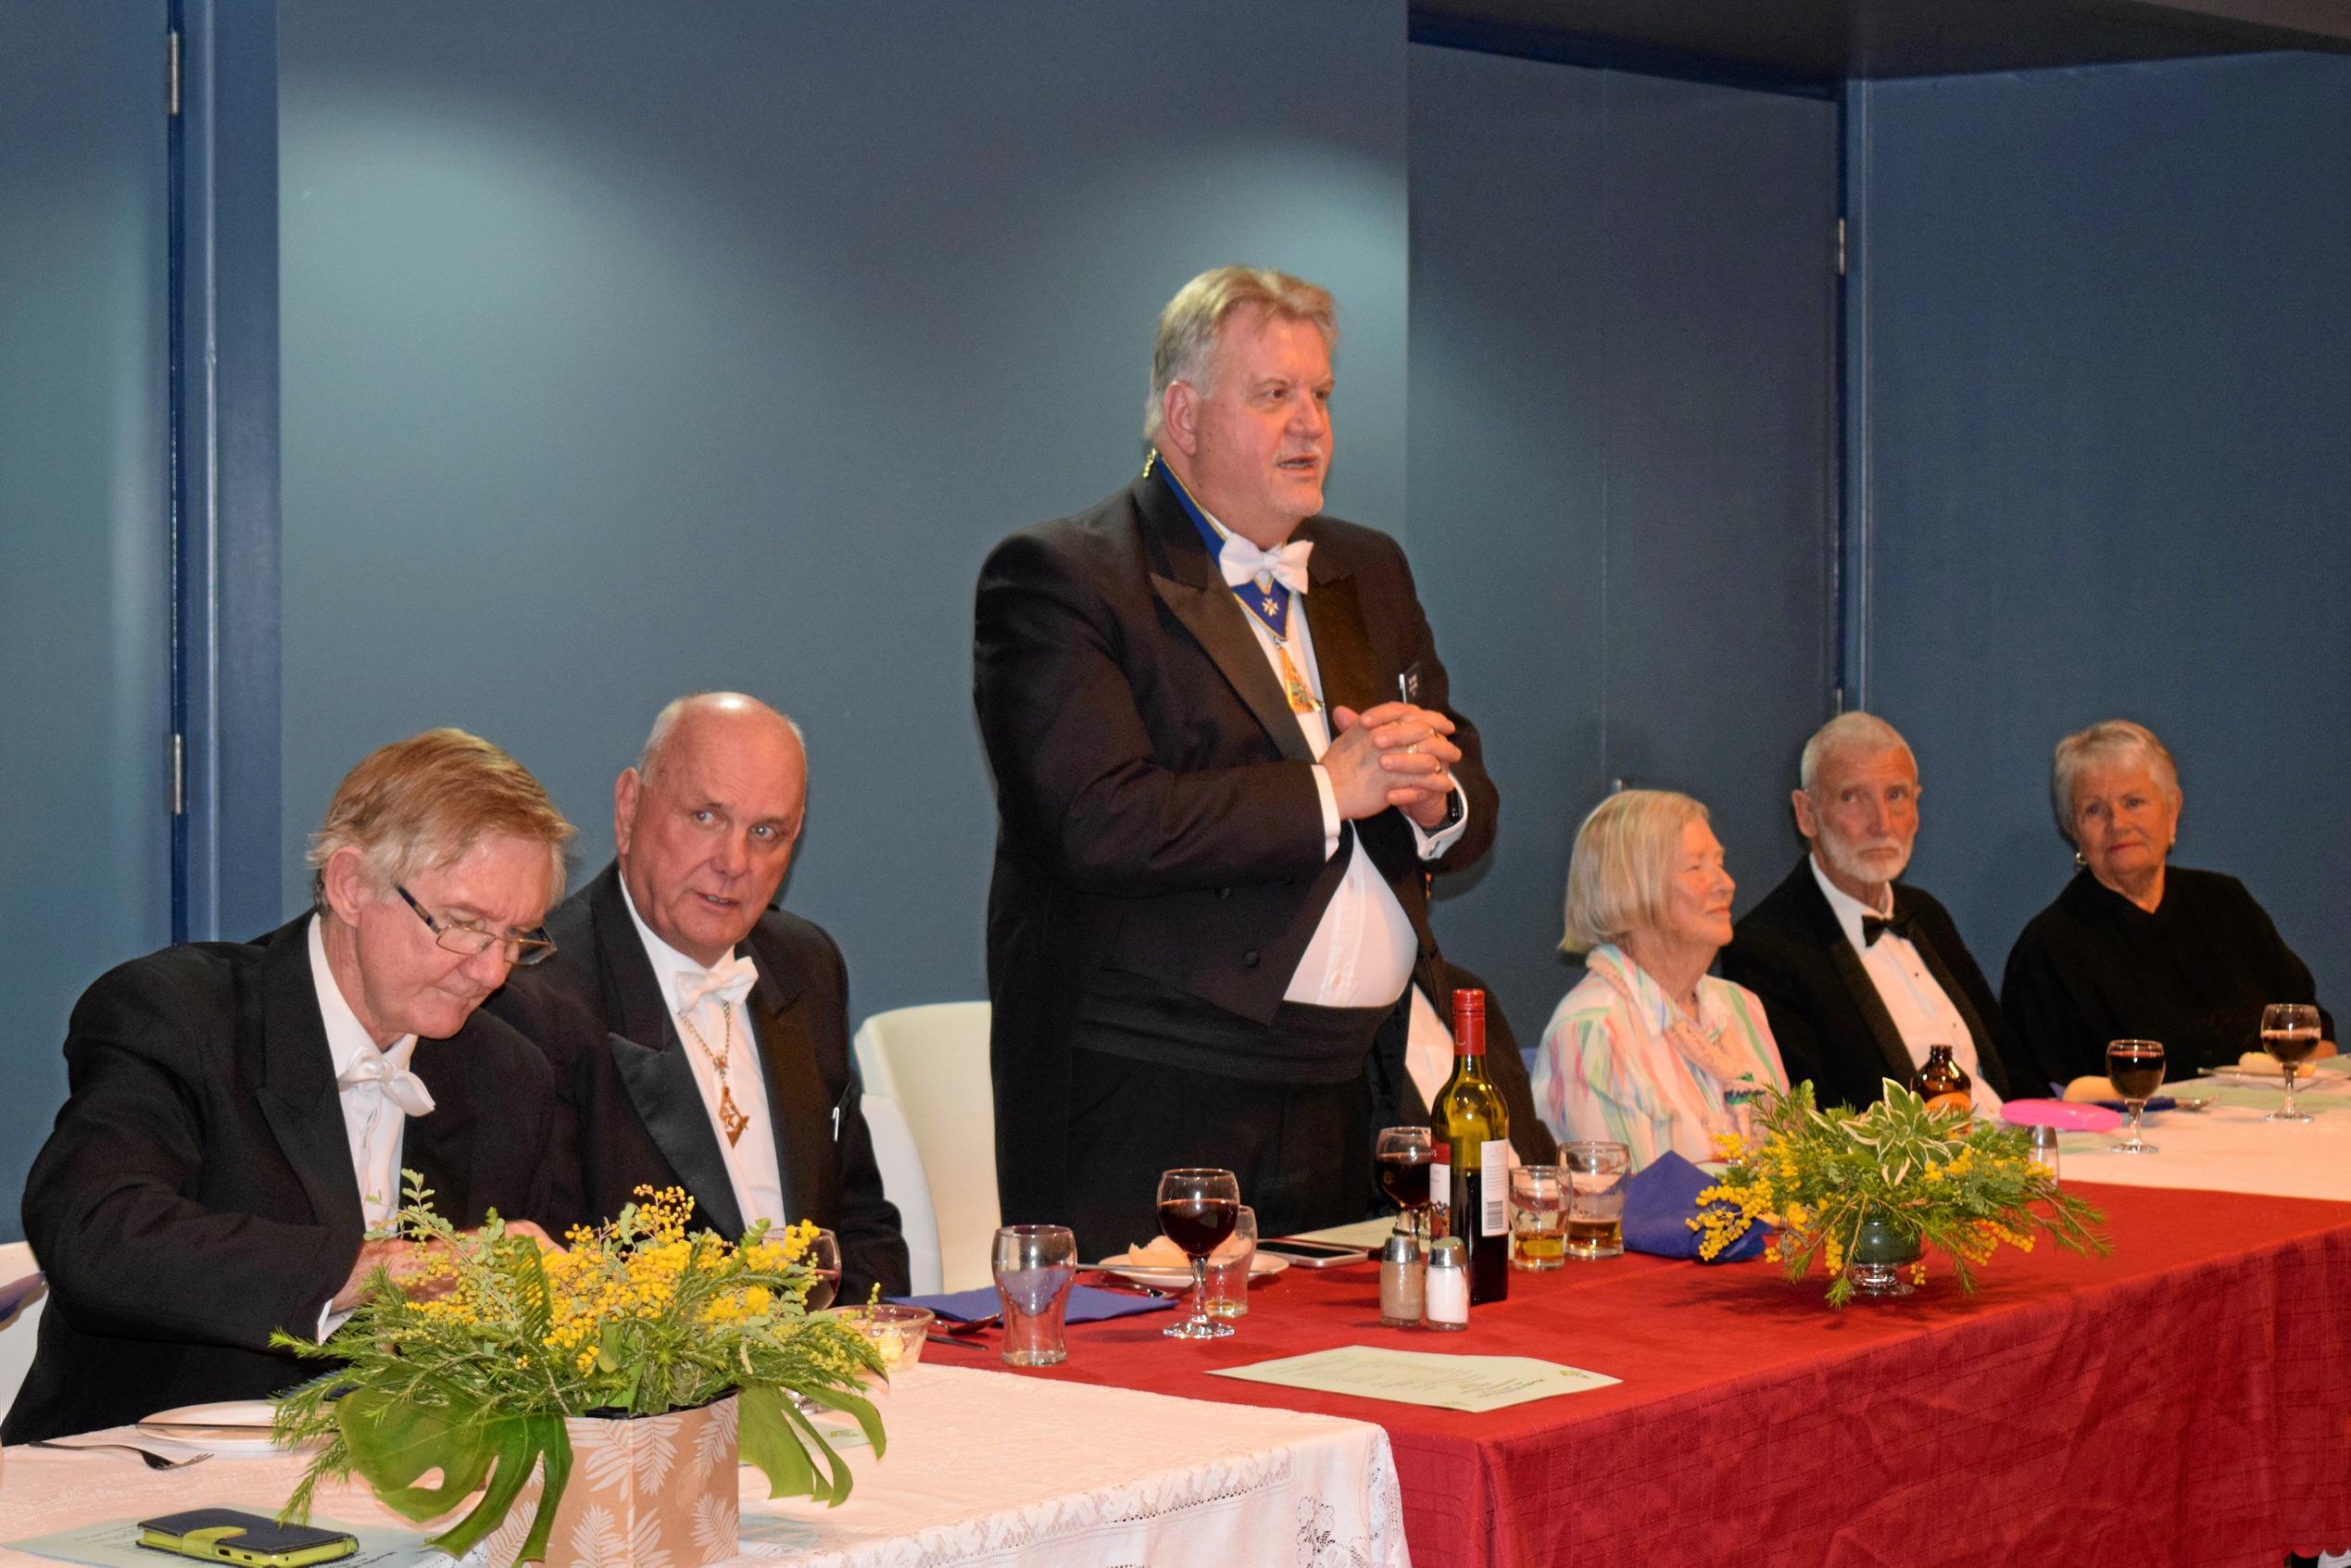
[1085, 1304]
[1660, 1201]
[14, 1295]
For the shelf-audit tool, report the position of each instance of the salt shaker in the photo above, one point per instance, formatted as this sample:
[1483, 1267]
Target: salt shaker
[1400, 1275]
[1446, 1293]
[2045, 1148]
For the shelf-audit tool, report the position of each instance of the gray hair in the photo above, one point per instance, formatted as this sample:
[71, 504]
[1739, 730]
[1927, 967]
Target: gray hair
[2109, 740]
[1854, 731]
[1194, 320]
[665, 724]
[425, 802]
[1617, 874]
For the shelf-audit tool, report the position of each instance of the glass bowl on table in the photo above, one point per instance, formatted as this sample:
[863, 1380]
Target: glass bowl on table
[1199, 1207]
[896, 1332]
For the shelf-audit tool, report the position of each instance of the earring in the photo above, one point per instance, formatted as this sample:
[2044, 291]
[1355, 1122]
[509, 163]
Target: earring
[2079, 861]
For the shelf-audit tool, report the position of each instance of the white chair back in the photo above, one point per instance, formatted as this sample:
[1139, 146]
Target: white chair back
[903, 1183]
[931, 1063]
[21, 1333]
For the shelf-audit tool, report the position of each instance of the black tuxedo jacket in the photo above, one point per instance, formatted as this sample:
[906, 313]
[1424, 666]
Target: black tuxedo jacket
[1397, 1100]
[637, 1114]
[1156, 806]
[197, 1191]
[1824, 1010]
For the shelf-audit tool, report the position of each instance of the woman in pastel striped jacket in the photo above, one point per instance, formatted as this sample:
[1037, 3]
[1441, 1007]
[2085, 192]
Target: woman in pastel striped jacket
[1649, 1050]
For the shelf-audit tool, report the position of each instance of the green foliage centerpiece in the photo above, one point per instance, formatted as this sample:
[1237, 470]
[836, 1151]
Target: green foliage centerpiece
[473, 1364]
[1881, 1182]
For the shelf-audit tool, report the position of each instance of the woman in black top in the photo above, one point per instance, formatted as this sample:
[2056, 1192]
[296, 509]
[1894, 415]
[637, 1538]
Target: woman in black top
[2135, 949]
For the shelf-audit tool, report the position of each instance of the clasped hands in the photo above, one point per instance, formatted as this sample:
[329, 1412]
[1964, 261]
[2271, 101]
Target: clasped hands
[1395, 755]
[410, 1265]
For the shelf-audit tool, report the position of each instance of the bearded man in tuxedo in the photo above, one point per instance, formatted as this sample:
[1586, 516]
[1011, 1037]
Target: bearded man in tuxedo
[1860, 973]
[240, 1113]
[700, 1037]
[1225, 764]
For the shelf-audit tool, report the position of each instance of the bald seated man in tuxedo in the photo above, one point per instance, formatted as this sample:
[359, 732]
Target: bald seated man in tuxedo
[700, 1037]
[239, 1113]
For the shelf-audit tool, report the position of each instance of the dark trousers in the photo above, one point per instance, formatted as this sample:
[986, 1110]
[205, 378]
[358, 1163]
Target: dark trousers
[1301, 1152]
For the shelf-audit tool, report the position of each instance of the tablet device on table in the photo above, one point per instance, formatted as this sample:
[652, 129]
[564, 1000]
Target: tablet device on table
[1311, 1254]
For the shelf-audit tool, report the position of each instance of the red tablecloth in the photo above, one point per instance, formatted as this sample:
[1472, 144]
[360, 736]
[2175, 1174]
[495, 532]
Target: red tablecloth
[2186, 1401]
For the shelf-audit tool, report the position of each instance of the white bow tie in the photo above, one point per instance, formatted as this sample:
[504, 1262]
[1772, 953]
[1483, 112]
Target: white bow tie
[729, 982]
[400, 1087]
[1285, 563]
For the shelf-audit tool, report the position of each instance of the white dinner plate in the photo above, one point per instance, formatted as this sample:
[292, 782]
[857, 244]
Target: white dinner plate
[232, 1427]
[2242, 1077]
[2270, 1068]
[1260, 1266]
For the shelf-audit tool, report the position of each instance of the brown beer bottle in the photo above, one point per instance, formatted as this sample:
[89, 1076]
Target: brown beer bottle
[1943, 1084]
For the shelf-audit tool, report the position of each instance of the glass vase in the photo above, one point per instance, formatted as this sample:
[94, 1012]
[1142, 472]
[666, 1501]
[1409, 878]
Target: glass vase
[1880, 1250]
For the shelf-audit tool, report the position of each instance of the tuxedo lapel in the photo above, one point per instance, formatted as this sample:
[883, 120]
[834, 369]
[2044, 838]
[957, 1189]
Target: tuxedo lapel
[651, 1060]
[1988, 1064]
[296, 1073]
[1190, 584]
[1342, 647]
[1861, 990]
[788, 1063]
[437, 1146]
[660, 1083]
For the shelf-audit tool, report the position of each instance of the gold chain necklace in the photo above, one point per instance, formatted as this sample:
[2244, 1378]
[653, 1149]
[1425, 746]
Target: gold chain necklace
[730, 1115]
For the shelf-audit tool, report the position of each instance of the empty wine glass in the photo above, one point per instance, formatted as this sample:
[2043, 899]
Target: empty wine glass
[2135, 1067]
[1401, 1160]
[2290, 1033]
[1197, 1209]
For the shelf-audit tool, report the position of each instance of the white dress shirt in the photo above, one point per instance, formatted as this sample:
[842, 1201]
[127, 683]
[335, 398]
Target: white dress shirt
[1429, 1052]
[373, 1126]
[751, 1165]
[372, 1122]
[1922, 1013]
[1360, 956]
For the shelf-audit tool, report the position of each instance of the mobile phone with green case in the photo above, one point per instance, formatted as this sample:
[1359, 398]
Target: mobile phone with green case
[249, 1540]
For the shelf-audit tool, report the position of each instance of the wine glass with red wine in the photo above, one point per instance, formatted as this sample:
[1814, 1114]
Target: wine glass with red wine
[2135, 1068]
[824, 1259]
[1197, 1209]
[1400, 1161]
[2290, 1033]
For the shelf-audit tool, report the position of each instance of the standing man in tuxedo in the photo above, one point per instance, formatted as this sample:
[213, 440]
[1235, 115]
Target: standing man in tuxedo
[700, 1037]
[1860, 974]
[239, 1113]
[1225, 760]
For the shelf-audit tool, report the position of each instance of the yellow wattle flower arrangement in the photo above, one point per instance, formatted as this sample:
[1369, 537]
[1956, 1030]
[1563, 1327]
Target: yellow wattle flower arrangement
[1929, 1177]
[472, 1366]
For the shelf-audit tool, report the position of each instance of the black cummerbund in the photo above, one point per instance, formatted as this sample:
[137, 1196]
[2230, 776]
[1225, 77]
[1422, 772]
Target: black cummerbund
[1144, 1020]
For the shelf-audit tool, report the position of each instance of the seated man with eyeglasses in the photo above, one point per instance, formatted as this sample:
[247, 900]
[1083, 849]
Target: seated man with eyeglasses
[239, 1113]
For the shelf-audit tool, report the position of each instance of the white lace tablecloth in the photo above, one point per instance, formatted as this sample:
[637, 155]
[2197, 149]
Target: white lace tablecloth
[982, 1468]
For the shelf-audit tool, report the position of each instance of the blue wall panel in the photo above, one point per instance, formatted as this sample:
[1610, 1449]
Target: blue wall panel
[2109, 373]
[1623, 322]
[626, 354]
[84, 541]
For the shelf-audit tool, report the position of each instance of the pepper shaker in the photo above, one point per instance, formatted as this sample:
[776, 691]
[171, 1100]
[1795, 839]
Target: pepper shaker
[1446, 1293]
[1402, 1275]
[2045, 1148]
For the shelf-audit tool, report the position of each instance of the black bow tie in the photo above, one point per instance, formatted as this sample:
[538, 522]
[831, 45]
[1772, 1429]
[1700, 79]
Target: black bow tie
[1872, 928]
